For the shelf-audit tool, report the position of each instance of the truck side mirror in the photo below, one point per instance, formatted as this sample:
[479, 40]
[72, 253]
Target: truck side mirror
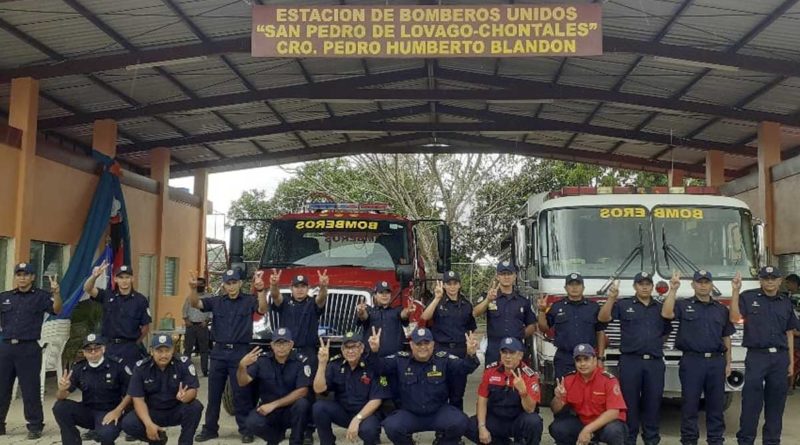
[759, 235]
[404, 273]
[444, 245]
[520, 245]
[236, 252]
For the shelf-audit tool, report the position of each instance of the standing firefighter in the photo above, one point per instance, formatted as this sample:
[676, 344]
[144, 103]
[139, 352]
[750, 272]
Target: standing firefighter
[769, 324]
[196, 322]
[641, 364]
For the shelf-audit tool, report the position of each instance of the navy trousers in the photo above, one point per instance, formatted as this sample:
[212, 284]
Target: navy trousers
[765, 385]
[187, 415]
[642, 383]
[70, 415]
[224, 363]
[702, 376]
[449, 421]
[22, 361]
[327, 412]
[129, 352]
[273, 426]
[456, 384]
[566, 428]
[525, 429]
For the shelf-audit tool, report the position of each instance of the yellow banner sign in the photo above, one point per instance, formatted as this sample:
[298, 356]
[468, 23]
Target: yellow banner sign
[623, 212]
[427, 31]
[677, 213]
[343, 224]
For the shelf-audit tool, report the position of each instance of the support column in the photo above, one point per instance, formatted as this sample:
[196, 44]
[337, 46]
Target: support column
[675, 177]
[159, 170]
[201, 191]
[769, 154]
[104, 137]
[23, 114]
[715, 168]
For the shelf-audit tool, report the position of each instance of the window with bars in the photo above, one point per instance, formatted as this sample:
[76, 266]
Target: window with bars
[48, 259]
[171, 274]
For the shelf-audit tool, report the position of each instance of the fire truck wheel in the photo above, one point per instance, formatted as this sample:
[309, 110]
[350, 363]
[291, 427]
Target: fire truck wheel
[227, 399]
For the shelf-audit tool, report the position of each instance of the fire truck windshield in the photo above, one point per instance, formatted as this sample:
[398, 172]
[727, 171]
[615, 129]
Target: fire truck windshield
[716, 239]
[595, 241]
[331, 242]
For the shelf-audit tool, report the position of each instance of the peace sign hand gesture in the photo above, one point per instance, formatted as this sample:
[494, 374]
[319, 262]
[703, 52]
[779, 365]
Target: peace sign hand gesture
[438, 291]
[54, 286]
[410, 306]
[519, 382]
[275, 277]
[375, 339]
[613, 291]
[675, 281]
[324, 351]
[472, 343]
[65, 381]
[541, 304]
[323, 278]
[560, 391]
[258, 281]
[736, 283]
[181, 396]
[492, 293]
[250, 358]
[100, 270]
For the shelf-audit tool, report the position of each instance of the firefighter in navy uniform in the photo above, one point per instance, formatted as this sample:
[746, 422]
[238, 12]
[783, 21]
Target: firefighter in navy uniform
[22, 312]
[422, 379]
[232, 331]
[452, 318]
[704, 337]
[283, 377]
[390, 320]
[103, 381]
[588, 406]
[574, 320]
[299, 313]
[126, 313]
[641, 363]
[508, 313]
[508, 396]
[769, 324]
[358, 389]
[164, 392]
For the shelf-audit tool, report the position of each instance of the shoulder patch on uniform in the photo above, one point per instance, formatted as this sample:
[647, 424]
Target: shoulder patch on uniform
[403, 353]
[452, 357]
[493, 365]
[141, 362]
[335, 357]
[442, 354]
[609, 375]
[301, 358]
[307, 370]
[527, 370]
[184, 359]
[192, 371]
[128, 370]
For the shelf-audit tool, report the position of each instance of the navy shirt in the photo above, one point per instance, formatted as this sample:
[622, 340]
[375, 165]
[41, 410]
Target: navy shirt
[574, 322]
[22, 313]
[702, 325]
[642, 328]
[159, 388]
[452, 320]
[277, 380]
[233, 317]
[423, 386]
[103, 387]
[302, 320]
[353, 388]
[123, 315]
[766, 319]
[508, 316]
[388, 320]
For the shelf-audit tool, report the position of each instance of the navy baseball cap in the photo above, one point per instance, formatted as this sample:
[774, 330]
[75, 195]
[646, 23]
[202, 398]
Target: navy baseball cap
[643, 276]
[382, 286]
[702, 274]
[451, 276]
[161, 341]
[511, 344]
[282, 334]
[93, 339]
[583, 349]
[506, 266]
[300, 279]
[231, 275]
[351, 337]
[573, 277]
[24, 267]
[421, 334]
[769, 272]
[124, 269]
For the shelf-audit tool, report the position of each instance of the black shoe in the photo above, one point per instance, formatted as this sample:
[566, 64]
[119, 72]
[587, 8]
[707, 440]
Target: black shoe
[437, 438]
[162, 438]
[308, 438]
[34, 435]
[89, 436]
[205, 435]
[248, 438]
[129, 438]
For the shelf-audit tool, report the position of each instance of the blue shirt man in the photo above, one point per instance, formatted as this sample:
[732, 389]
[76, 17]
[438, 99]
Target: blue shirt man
[164, 392]
[422, 380]
[641, 367]
[769, 325]
[22, 312]
[103, 381]
[508, 313]
[126, 313]
[704, 337]
[381, 316]
[300, 313]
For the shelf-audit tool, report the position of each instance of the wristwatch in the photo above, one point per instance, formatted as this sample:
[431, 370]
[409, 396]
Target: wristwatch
[359, 417]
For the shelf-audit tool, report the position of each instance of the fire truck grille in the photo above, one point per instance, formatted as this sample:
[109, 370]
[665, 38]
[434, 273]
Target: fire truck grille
[339, 316]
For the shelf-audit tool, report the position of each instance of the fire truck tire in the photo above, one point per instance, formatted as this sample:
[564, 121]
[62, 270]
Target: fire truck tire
[227, 399]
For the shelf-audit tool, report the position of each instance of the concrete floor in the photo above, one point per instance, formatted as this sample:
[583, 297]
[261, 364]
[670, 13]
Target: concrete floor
[670, 426]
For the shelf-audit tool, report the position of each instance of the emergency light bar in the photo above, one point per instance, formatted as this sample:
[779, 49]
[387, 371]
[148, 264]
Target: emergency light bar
[348, 206]
[629, 190]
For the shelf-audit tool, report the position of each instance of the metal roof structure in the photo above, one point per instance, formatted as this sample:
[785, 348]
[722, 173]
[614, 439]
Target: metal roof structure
[677, 78]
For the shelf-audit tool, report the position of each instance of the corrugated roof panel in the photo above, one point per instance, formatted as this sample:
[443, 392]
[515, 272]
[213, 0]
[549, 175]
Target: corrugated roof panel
[254, 114]
[728, 131]
[209, 78]
[554, 138]
[780, 39]
[596, 73]
[236, 148]
[541, 69]
[642, 150]
[200, 123]
[142, 23]
[784, 98]
[626, 18]
[47, 109]
[674, 124]
[218, 19]
[268, 72]
[148, 129]
[569, 111]
[723, 88]
[82, 93]
[619, 116]
[16, 53]
[284, 106]
[343, 109]
[145, 86]
[592, 142]
[386, 65]
[684, 156]
[658, 78]
[480, 65]
[329, 69]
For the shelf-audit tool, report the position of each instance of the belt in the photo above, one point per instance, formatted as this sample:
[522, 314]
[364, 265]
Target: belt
[704, 354]
[769, 350]
[643, 356]
[230, 345]
[15, 341]
[118, 341]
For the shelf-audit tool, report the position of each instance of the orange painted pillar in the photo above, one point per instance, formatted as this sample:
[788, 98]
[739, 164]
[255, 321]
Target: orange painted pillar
[23, 114]
[159, 171]
[201, 191]
[104, 137]
[715, 168]
[675, 177]
[769, 154]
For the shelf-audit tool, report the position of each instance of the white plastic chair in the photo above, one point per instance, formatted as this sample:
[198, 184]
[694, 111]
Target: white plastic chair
[55, 334]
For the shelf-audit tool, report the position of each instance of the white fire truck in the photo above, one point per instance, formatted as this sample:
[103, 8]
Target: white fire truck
[615, 232]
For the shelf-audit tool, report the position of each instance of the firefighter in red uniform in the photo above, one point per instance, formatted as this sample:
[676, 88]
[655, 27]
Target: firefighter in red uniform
[588, 404]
